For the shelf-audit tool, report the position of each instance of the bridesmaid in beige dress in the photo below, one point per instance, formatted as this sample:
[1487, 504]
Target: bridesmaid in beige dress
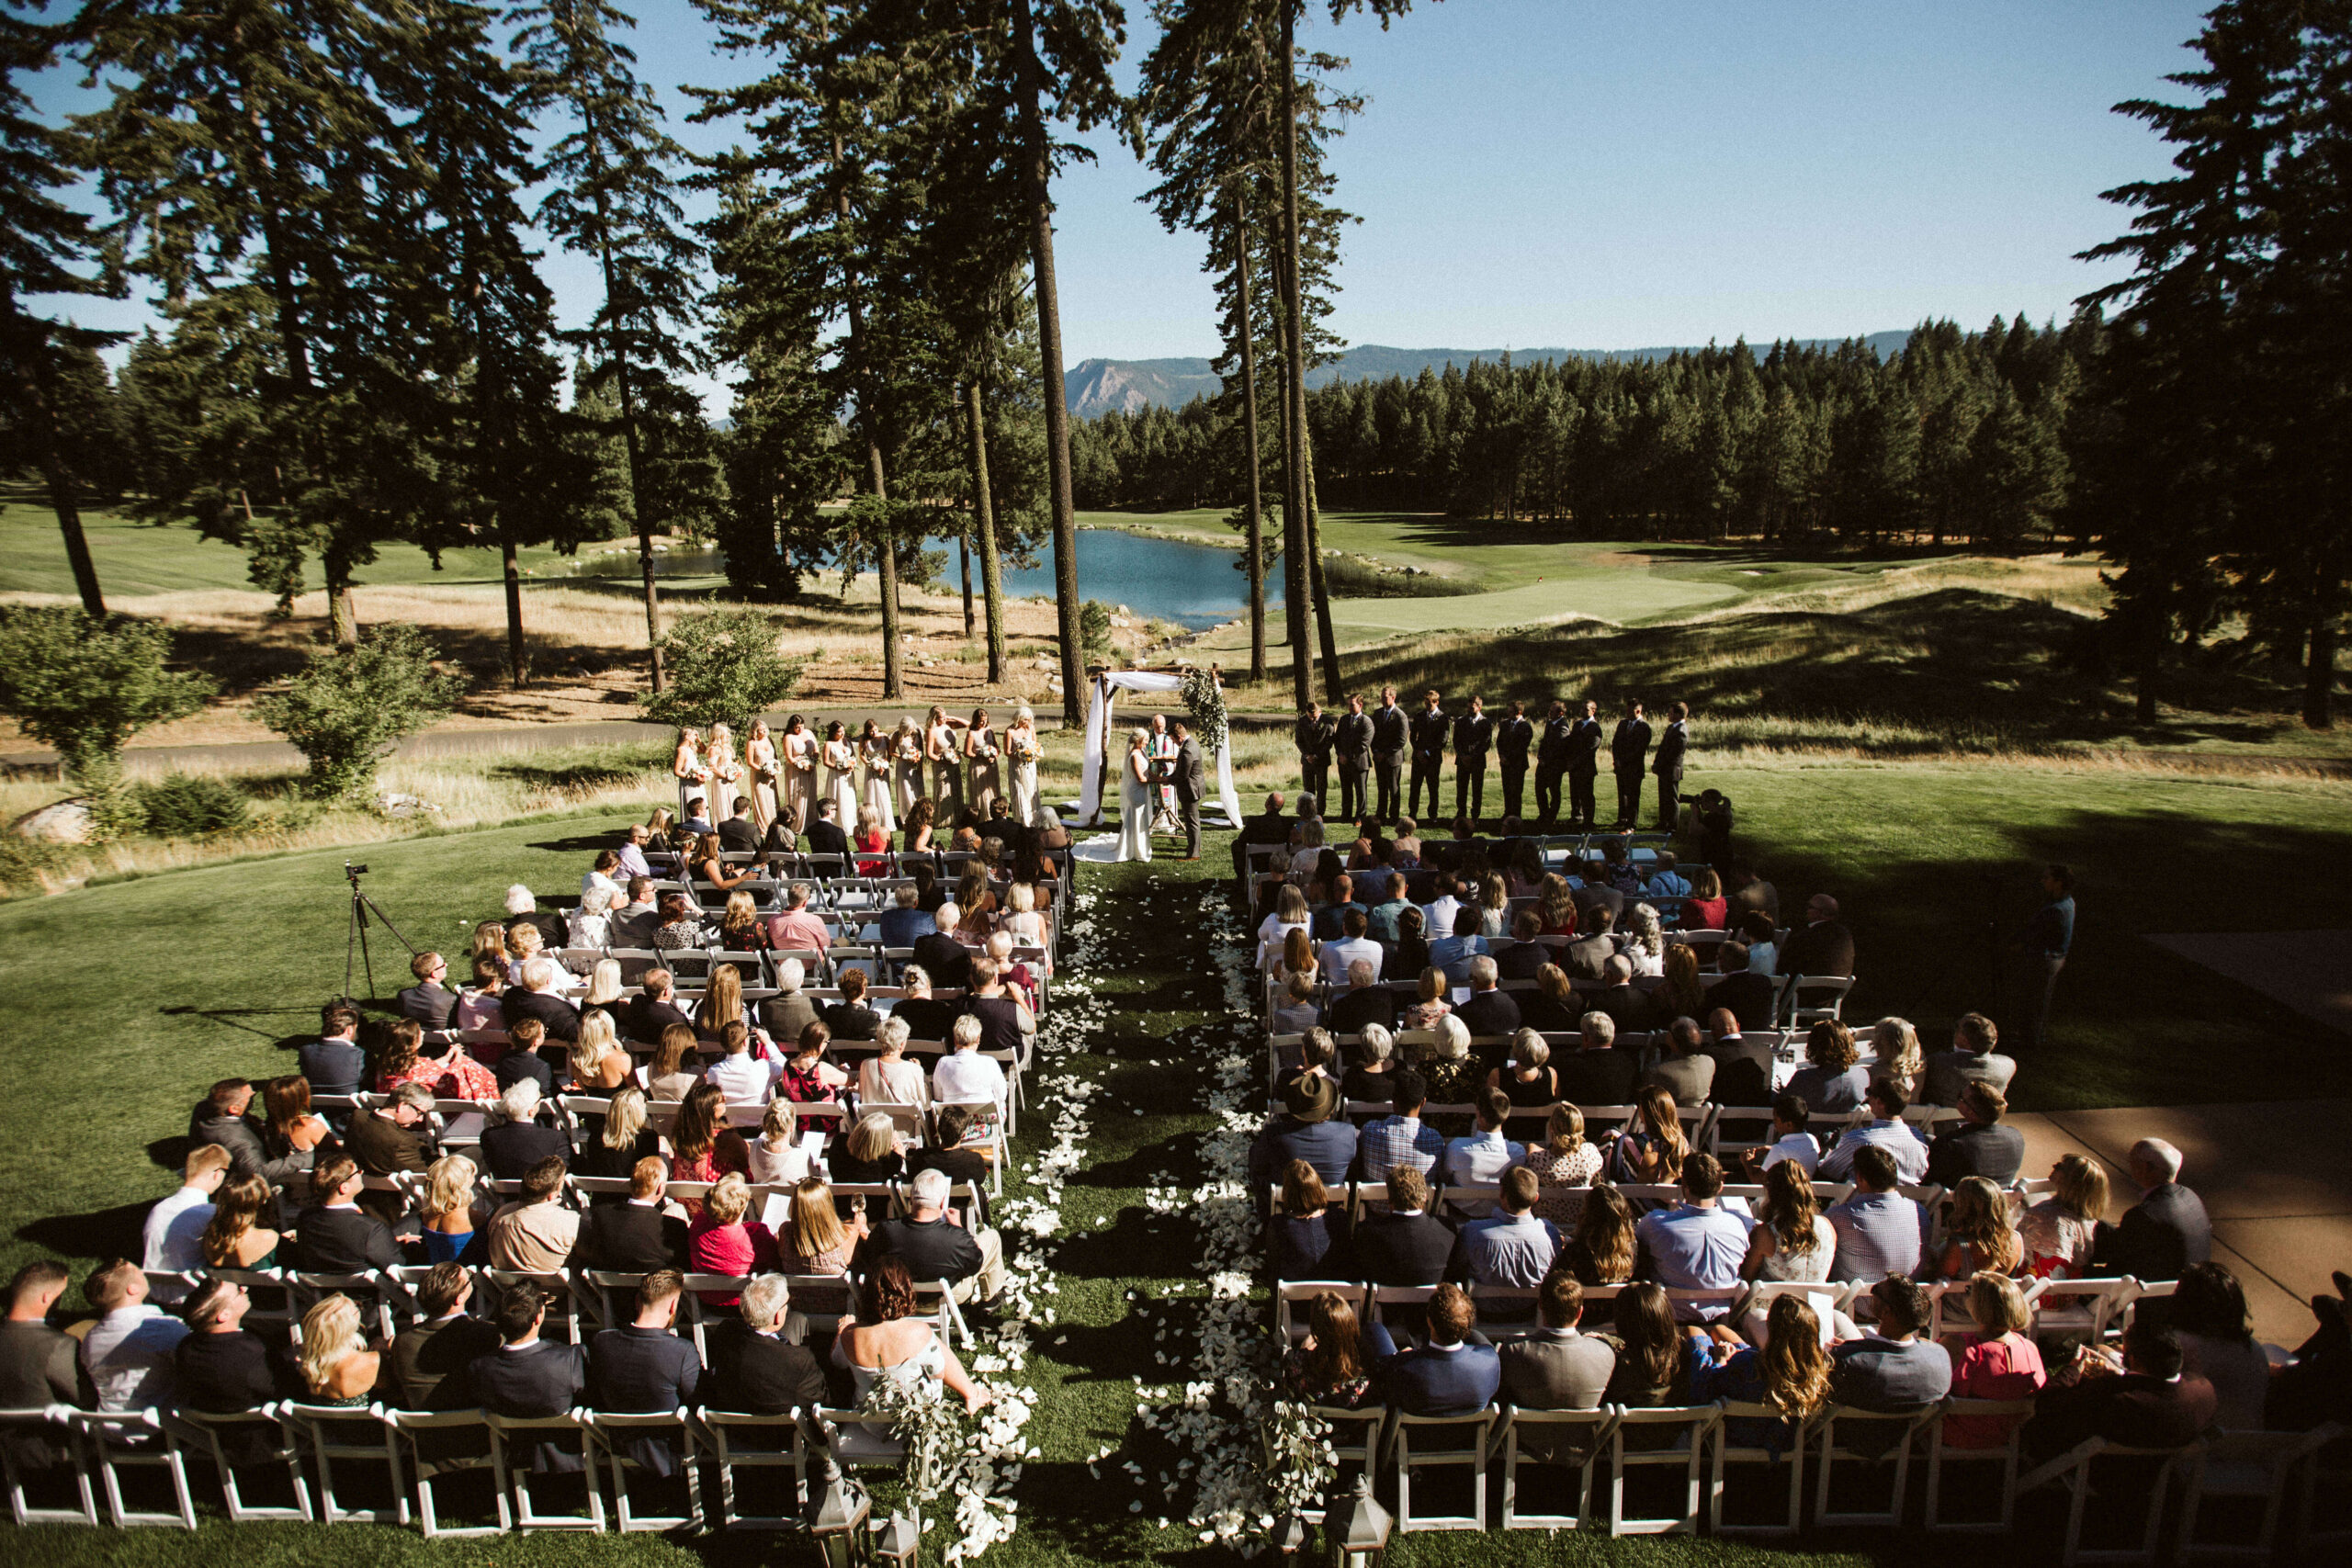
[840, 775]
[726, 772]
[694, 778]
[799, 771]
[874, 755]
[946, 777]
[1021, 765]
[759, 758]
[906, 766]
[981, 774]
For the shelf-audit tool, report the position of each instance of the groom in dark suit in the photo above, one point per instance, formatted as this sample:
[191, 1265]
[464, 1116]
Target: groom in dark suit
[1184, 774]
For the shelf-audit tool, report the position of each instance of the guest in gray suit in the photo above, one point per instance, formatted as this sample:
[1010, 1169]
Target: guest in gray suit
[1556, 1368]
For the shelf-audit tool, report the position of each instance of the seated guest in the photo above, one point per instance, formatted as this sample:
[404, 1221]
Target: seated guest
[220, 1120]
[903, 924]
[1407, 1244]
[798, 930]
[1339, 955]
[428, 1002]
[1596, 1073]
[1481, 1158]
[1823, 945]
[1308, 1237]
[1977, 1233]
[1557, 1368]
[1380, 918]
[1590, 952]
[1830, 1082]
[1449, 1375]
[1309, 1129]
[387, 1140]
[1399, 1138]
[1330, 922]
[964, 1074]
[591, 925]
[886, 1334]
[1696, 1244]
[1372, 1068]
[1487, 1011]
[636, 1236]
[1979, 1145]
[1685, 1071]
[1526, 1078]
[523, 909]
[654, 1008]
[1895, 1048]
[1653, 1354]
[1892, 1367]
[646, 1369]
[1327, 1368]
[173, 1235]
[235, 1237]
[1455, 954]
[2209, 1313]
[1652, 1148]
[2156, 1403]
[849, 1018]
[430, 1359]
[679, 925]
[1454, 1075]
[947, 1152]
[1364, 1002]
[337, 1237]
[631, 922]
[127, 1355]
[941, 956]
[2166, 1233]
[925, 1016]
[1006, 1022]
[537, 999]
[1999, 1361]
[1790, 1374]
[1511, 1247]
[1971, 1059]
[523, 945]
[934, 1244]
[2061, 1233]
[676, 1068]
[871, 1151]
[891, 1078]
[1631, 1009]
[336, 1366]
[819, 1243]
[37, 1365]
[1790, 1139]
[515, 1140]
[521, 1061]
[452, 1075]
[1880, 1232]
[744, 1075]
[222, 1368]
[333, 1063]
[1554, 1006]
[1299, 1013]
[450, 1208]
[1746, 990]
[789, 1012]
[702, 1147]
[1525, 955]
[738, 834]
[528, 1376]
[1885, 1130]
[536, 1234]
[825, 833]
[761, 1367]
[625, 1136]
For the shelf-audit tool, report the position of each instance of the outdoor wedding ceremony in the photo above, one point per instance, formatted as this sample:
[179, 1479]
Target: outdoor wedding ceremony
[829, 822]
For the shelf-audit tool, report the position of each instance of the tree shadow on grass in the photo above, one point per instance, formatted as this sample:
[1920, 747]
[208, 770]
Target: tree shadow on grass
[579, 844]
[110, 1232]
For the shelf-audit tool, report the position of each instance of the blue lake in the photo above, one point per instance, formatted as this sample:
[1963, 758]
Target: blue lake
[1194, 586]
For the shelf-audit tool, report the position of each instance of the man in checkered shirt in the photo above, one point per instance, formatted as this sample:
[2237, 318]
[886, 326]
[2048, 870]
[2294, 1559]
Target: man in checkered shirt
[1400, 1139]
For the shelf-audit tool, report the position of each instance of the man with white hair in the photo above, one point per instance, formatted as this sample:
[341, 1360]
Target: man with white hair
[964, 1074]
[945, 959]
[999, 952]
[925, 1016]
[797, 930]
[516, 1141]
[789, 1012]
[934, 1244]
[2167, 1233]
[591, 924]
[523, 909]
[1487, 1011]
[761, 1367]
[903, 924]
[536, 998]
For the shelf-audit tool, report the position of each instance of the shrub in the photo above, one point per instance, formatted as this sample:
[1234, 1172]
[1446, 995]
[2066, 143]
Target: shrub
[84, 685]
[346, 711]
[190, 806]
[721, 667]
[1345, 577]
[1094, 629]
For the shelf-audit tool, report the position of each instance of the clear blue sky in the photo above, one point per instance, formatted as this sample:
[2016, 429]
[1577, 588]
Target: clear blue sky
[1620, 173]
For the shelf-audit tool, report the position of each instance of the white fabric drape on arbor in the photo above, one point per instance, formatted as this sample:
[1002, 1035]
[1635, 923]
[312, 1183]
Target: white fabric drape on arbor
[1098, 726]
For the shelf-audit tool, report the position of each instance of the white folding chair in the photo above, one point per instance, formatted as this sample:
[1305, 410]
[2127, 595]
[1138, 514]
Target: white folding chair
[2073, 1470]
[1449, 1442]
[1292, 1298]
[1571, 1440]
[1679, 1433]
[721, 1434]
[435, 1447]
[1895, 1434]
[134, 1440]
[515, 1472]
[1942, 1453]
[1788, 1461]
[697, 1314]
[25, 1435]
[2082, 1309]
[325, 1432]
[1833, 987]
[2247, 1467]
[211, 1434]
[610, 1433]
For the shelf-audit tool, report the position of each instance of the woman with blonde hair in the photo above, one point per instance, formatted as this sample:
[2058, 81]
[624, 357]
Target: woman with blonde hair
[1527, 1078]
[1646, 950]
[337, 1367]
[1896, 1045]
[2058, 1233]
[1138, 798]
[659, 827]
[760, 767]
[524, 941]
[1428, 1004]
[693, 772]
[871, 1151]
[740, 929]
[1998, 1361]
[981, 781]
[723, 1004]
[675, 1069]
[1290, 913]
[1602, 1250]
[1448, 1068]
[1564, 1164]
[1297, 957]
[725, 1239]
[235, 1238]
[1023, 920]
[1793, 1238]
[598, 1063]
[1705, 909]
[625, 1137]
[1309, 856]
[874, 793]
[452, 1231]
[1021, 753]
[1493, 906]
[1978, 1235]
[1652, 1148]
[940, 748]
[490, 937]
[1555, 907]
[777, 1157]
[890, 1078]
[726, 772]
[818, 1242]
[604, 990]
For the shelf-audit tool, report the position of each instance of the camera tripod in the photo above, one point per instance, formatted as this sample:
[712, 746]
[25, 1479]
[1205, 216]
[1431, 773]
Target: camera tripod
[355, 944]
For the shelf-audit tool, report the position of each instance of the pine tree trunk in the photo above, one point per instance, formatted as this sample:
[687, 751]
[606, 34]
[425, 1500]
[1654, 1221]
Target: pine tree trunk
[1257, 531]
[343, 614]
[1039, 198]
[2318, 675]
[1332, 692]
[637, 494]
[1295, 520]
[514, 608]
[887, 554]
[984, 526]
[963, 559]
[44, 425]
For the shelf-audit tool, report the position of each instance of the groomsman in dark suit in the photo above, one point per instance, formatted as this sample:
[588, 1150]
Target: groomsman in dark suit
[1668, 766]
[1390, 730]
[1629, 751]
[1474, 736]
[1514, 736]
[1429, 726]
[1351, 740]
[1551, 762]
[1316, 733]
[1584, 767]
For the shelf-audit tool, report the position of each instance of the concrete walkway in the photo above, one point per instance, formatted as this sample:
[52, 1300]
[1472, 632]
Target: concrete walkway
[2273, 1177]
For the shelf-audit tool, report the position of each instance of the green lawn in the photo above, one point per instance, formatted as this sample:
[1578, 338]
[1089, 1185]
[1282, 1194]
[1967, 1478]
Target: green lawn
[126, 999]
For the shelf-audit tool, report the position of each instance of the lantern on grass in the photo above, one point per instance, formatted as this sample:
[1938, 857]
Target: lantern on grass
[837, 1514]
[1355, 1532]
[897, 1541]
[1290, 1534]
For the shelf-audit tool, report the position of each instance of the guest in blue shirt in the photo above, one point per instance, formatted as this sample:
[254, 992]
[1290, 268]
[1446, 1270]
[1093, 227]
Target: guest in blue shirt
[1887, 1129]
[1329, 920]
[1307, 1129]
[1512, 1249]
[1697, 1244]
[1454, 1373]
[904, 924]
[1454, 953]
[1380, 921]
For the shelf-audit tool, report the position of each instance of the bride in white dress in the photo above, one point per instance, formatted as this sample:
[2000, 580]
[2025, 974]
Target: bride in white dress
[1137, 799]
[883, 1340]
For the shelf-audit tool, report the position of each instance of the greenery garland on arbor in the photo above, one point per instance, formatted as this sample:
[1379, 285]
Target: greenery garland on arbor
[1205, 699]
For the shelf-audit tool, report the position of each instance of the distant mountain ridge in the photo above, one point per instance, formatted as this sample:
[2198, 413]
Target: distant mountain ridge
[1097, 385]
